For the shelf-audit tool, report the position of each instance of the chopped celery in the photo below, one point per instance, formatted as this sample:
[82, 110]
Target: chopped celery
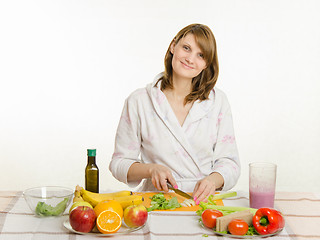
[222, 196]
[224, 209]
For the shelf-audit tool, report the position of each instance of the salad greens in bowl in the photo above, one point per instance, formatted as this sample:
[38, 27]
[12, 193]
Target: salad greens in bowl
[49, 200]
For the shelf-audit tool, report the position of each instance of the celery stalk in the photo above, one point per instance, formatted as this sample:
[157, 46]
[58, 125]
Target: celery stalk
[229, 209]
[224, 209]
[223, 195]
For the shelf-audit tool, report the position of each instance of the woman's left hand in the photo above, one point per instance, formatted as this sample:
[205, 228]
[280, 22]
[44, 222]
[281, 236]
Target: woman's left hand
[203, 189]
[206, 187]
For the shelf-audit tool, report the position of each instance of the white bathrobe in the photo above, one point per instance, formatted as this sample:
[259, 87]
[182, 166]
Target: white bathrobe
[149, 132]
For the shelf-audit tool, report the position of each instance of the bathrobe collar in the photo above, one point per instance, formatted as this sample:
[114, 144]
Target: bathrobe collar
[166, 114]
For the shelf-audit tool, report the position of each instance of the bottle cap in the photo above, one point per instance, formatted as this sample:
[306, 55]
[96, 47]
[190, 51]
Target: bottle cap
[91, 152]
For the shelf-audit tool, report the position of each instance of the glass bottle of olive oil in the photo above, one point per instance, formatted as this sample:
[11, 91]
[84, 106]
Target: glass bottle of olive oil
[92, 172]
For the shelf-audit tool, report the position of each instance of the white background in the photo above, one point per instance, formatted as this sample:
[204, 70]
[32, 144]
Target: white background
[66, 68]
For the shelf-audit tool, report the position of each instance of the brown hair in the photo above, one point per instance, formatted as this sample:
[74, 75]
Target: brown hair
[206, 80]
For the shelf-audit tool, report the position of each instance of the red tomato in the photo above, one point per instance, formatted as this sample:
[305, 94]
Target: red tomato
[209, 217]
[238, 227]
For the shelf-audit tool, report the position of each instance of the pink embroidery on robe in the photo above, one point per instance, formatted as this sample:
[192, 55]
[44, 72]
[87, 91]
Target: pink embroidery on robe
[133, 146]
[160, 97]
[199, 175]
[116, 154]
[149, 139]
[218, 166]
[236, 170]
[141, 91]
[219, 119]
[126, 119]
[228, 139]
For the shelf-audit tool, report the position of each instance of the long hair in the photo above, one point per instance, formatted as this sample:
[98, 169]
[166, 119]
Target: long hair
[206, 80]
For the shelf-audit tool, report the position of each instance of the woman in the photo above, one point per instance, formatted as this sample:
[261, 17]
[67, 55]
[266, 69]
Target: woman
[180, 125]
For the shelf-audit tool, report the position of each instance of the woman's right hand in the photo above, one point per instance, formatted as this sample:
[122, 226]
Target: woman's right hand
[160, 175]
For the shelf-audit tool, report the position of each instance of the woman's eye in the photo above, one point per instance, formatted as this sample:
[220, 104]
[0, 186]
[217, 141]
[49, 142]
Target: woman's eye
[201, 55]
[186, 47]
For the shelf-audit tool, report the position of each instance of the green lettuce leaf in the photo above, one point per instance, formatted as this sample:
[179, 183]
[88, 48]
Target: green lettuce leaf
[159, 202]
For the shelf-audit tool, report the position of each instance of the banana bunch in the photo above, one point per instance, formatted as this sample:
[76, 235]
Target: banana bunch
[77, 195]
[125, 198]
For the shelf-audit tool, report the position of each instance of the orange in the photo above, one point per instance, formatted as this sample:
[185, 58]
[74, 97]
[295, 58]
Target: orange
[108, 205]
[108, 222]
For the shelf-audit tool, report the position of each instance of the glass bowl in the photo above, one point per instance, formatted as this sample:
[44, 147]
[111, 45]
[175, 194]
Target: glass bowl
[48, 201]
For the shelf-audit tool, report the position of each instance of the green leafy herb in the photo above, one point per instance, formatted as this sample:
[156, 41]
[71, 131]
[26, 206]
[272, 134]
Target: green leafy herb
[159, 202]
[205, 235]
[43, 209]
[252, 231]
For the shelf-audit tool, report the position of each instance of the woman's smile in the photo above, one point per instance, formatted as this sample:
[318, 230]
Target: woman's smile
[186, 65]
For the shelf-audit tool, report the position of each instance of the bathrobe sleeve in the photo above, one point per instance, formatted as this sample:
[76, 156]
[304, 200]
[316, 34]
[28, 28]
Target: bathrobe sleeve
[127, 142]
[226, 160]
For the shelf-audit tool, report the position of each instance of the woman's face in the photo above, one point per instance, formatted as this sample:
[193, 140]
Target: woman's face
[187, 61]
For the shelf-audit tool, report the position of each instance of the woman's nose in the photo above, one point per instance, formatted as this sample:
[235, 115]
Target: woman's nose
[189, 59]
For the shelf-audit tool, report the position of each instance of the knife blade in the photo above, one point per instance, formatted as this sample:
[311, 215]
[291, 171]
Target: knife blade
[181, 193]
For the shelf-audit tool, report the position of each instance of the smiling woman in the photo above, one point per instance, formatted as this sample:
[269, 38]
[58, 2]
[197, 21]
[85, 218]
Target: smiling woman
[178, 122]
[195, 48]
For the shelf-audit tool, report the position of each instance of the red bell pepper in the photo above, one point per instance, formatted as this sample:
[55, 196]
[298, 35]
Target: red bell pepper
[267, 221]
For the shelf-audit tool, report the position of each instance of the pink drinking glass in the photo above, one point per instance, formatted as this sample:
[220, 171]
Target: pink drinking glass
[262, 184]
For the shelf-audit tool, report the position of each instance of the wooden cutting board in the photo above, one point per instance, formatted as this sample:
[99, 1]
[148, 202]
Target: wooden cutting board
[147, 200]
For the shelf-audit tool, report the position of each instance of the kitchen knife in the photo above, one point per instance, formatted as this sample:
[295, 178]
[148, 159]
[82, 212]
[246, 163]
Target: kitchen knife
[181, 193]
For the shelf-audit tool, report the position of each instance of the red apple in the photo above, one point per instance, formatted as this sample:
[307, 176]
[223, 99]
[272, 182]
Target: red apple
[135, 215]
[82, 219]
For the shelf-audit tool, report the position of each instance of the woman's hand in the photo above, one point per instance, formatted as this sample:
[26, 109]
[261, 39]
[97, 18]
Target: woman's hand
[206, 187]
[160, 175]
